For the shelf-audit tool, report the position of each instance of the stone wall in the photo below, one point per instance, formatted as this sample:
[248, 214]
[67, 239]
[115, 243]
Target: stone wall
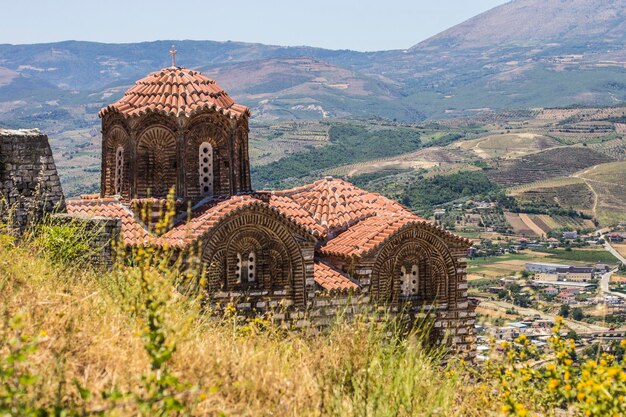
[100, 232]
[29, 183]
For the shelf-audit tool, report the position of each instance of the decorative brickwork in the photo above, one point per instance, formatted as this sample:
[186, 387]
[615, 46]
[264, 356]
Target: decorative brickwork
[161, 139]
[306, 253]
[283, 254]
[29, 184]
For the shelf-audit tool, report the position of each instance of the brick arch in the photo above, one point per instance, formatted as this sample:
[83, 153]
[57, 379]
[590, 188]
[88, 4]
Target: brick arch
[441, 278]
[279, 264]
[151, 120]
[273, 234]
[216, 271]
[437, 266]
[116, 137]
[241, 164]
[156, 162]
[199, 133]
[113, 120]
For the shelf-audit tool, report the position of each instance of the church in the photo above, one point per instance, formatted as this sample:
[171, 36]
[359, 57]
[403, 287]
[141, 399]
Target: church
[307, 252]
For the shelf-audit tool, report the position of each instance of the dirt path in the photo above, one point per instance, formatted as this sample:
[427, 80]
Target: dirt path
[596, 199]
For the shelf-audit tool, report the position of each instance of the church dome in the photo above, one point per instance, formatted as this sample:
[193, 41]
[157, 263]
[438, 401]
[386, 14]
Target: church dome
[176, 91]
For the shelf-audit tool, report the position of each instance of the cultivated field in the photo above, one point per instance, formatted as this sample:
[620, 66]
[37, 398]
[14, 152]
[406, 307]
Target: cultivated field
[547, 164]
[608, 182]
[508, 145]
[567, 193]
[533, 225]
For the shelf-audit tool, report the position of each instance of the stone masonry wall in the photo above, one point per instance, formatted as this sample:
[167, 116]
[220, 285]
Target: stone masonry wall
[101, 233]
[29, 183]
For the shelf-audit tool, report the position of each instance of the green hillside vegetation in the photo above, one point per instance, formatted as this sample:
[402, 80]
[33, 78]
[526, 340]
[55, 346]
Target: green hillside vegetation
[136, 340]
[425, 194]
[347, 144]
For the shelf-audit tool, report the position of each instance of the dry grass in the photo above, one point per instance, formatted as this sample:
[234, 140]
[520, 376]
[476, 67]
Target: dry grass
[91, 333]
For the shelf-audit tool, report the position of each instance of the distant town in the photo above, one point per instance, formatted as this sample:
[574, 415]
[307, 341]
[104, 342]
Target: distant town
[523, 285]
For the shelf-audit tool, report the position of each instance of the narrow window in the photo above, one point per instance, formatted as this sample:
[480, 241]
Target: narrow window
[246, 268]
[251, 267]
[119, 169]
[409, 281]
[205, 169]
[239, 268]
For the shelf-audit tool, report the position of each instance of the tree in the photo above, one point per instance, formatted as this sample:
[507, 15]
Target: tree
[564, 311]
[571, 334]
[577, 314]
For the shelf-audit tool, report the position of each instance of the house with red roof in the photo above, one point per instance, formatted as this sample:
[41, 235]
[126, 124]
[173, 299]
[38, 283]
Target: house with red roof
[311, 248]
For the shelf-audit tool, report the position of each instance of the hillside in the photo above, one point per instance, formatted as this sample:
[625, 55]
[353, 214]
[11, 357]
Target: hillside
[536, 23]
[525, 53]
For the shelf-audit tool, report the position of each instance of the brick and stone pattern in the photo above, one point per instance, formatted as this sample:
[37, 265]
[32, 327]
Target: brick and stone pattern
[101, 234]
[29, 183]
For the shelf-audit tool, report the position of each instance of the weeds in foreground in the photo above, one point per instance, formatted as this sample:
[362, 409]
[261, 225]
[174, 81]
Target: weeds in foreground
[135, 341]
[560, 382]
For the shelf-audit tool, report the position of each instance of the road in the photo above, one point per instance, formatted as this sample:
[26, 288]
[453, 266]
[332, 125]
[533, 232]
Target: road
[606, 278]
[607, 246]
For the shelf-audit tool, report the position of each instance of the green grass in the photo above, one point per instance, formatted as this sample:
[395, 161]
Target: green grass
[579, 255]
[77, 341]
[494, 259]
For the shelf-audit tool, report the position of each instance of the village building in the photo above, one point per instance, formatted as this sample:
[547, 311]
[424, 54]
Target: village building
[571, 273]
[542, 267]
[310, 250]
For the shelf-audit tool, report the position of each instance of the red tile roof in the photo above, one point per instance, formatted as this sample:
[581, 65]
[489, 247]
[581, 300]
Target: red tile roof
[211, 213]
[133, 231]
[367, 235]
[178, 92]
[356, 221]
[337, 204]
[332, 280]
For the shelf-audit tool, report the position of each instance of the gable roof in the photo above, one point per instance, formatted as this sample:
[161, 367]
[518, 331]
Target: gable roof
[367, 235]
[133, 231]
[178, 92]
[331, 279]
[351, 221]
[337, 204]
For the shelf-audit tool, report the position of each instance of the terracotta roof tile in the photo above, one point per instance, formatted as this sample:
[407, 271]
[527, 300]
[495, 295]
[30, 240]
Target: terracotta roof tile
[336, 204]
[356, 221]
[132, 233]
[176, 91]
[366, 235]
[331, 279]
[370, 233]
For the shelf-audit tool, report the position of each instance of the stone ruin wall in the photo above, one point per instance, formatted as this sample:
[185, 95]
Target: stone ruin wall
[29, 183]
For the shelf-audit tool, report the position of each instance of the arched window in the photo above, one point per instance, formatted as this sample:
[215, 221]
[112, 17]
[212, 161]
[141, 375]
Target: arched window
[246, 268]
[409, 281]
[205, 169]
[119, 169]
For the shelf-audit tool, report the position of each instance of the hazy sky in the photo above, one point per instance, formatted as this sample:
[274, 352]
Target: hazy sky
[337, 24]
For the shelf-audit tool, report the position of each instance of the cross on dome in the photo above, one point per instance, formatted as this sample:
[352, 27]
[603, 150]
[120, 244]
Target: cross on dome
[173, 54]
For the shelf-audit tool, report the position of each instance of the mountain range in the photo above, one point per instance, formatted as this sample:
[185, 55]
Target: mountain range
[525, 53]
